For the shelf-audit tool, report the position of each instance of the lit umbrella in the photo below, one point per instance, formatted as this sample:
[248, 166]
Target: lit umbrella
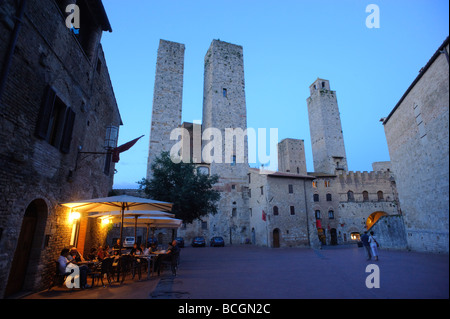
[114, 203]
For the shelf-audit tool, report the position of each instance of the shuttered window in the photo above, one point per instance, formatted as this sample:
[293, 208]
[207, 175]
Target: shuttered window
[55, 121]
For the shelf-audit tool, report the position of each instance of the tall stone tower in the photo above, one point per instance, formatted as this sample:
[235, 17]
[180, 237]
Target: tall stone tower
[327, 139]
[167, 98]
[224, 112]
[291, 156]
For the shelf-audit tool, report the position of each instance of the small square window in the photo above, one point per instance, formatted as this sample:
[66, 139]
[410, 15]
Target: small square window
[225, 93]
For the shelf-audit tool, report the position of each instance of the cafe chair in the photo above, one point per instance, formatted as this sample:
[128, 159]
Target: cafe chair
[104, 268]
[58, 277]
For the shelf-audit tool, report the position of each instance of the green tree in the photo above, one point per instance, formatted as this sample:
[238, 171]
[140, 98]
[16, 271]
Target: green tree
[191, 193]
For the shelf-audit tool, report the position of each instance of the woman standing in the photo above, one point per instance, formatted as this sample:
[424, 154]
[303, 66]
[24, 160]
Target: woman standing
[373, 245]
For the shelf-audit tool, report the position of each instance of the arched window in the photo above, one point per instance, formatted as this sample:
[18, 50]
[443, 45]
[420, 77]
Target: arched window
[350, 196]
[316, 197]
[317, 213]
[380, 195]
[331, 214]
[275, 210]
[365, 196]
[329, 197]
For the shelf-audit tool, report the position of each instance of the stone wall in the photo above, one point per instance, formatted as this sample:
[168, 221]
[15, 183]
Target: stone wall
[417, 133]
[37, 174]
[390, 232]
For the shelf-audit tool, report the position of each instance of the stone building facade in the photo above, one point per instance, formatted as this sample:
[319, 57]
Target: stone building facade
[417, 133]
[56, 102]
[280, 209]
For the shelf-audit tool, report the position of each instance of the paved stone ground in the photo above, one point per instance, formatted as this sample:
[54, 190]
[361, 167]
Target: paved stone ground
[247, 272]
[291, 273]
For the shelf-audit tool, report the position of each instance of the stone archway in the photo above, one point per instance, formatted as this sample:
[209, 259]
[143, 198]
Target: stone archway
[373, 218]
[26, 259]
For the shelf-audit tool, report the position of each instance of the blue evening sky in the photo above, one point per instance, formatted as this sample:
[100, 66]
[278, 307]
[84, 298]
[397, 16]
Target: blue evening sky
[287, 45]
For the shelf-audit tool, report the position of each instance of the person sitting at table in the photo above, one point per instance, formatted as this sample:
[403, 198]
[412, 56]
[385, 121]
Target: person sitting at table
[146, 250]
[136, 250]
[117, 246]
[153, 248]
[74, 254]
[93, 254]
[102, 254]
[64, 261]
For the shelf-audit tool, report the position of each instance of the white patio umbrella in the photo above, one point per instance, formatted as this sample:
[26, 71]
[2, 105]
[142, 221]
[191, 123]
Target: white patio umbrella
[151, 222]
[124, 203]
[132, 213]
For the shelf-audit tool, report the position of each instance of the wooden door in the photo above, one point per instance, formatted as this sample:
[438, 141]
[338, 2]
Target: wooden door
[276, 238]
[19, 265]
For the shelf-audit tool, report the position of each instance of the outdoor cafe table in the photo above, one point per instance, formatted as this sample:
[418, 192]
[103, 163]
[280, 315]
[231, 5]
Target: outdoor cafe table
[153, 256]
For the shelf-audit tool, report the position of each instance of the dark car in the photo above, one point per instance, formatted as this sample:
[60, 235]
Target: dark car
[217, 242]
[180, 242]
[198, 242]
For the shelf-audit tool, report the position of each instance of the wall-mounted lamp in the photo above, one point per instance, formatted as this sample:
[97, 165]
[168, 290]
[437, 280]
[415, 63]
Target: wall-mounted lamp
[106, 221]
[74, 216]
[112, 133]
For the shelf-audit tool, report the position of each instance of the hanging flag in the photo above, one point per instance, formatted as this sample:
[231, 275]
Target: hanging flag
[263, 216]
[318, 223]
[122, 148]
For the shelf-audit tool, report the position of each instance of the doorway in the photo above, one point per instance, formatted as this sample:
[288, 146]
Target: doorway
[27, 254]
[333, 235]
[276, 238]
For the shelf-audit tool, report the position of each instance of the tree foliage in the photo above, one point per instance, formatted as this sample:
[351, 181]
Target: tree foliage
[191, 193]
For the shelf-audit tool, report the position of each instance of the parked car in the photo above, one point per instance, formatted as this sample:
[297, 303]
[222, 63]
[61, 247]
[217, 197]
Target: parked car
[199, 242]
[128, 242]
[180, 242]
[217, 242]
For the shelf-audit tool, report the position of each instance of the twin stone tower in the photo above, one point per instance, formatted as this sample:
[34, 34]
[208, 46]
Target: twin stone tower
[224, 107]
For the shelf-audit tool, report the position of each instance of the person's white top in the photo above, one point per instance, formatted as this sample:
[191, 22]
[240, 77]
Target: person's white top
[63, 261]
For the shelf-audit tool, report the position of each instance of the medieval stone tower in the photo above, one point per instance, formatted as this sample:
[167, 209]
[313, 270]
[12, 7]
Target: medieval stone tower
[224, 111]
[291, 156]
[327, 139]
[167, 98]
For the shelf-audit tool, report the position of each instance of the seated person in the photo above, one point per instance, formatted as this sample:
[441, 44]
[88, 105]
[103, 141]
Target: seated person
[64, 261]
[102, 254]
[74, 254]
[93, 254]
[116, 248]
[146, 250]
[136, 250]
